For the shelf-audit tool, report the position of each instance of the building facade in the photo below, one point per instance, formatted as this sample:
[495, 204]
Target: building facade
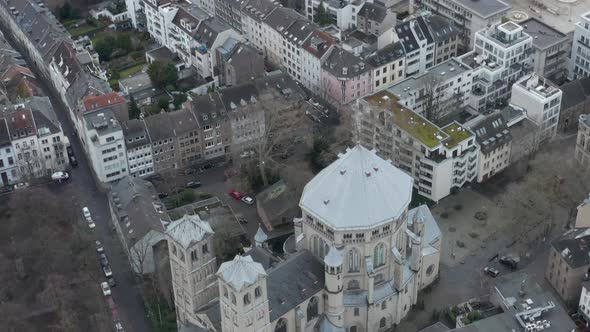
[568, 265]
[582, 153]
[551, 47]
[579, 65]
[139, 148]
[344, 78]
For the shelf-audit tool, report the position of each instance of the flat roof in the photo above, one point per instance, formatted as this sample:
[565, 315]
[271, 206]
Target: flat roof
[543, 35]
[457, 134]
[561, 16]
[485, 8]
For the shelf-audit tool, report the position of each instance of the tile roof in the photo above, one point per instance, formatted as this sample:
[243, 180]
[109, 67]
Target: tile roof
[386, 55]
[258, 9]
[373, 11]
[318, 43]
[100, 101]
[20, 122]
[440, 27]
[135, 133]
[159, 126]
[359, 190]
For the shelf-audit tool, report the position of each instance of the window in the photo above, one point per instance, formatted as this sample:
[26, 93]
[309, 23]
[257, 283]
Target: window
[205, 249]
[382, 323]
[281, 325]
[194, 256]
[353, 328]
[233, 298]
[383, 305]
[110, 138]
[312, 308]
[353, 260]
[379, 255]
[357, 311]
[225, 292]
[353, 284]
[257, 292]
[247, 299]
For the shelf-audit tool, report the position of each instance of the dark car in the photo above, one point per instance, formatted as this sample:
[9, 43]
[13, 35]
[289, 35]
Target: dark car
[70, 151]
[73, 161]
[491, 271]
[206, 167]
[112, 282]
[162, 195]
[190, 171]
[508, 261]
[193, 184]
[103, 260]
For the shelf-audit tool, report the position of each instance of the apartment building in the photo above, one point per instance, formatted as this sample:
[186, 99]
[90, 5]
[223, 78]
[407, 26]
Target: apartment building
[501, 56]
[579, 65]
[160, 131]
[469, 16]
[445, 35]
[215, 127]
[159, 15]
[551, 49]
[541, 100]
[182, 30]
[575, 101]
[253, 27]
[139, 148]
[417, 42]
[207, 5]
[584, 304]
[104, 143]
[8, 167]
[568, 264]
[230, 12]
[211, 34]
[342, 12]
[136, 11]
[442, 90]
[495, 144]
[344, 78]
[239, 62]
[188, 141]
[374, 19]
[582, 153]
[314, 52]
[388, 65]
[438, 158]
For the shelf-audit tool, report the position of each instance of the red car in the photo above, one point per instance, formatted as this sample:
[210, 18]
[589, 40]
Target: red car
[235, 194]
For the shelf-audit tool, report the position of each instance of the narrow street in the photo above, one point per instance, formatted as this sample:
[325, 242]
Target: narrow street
[82, 191]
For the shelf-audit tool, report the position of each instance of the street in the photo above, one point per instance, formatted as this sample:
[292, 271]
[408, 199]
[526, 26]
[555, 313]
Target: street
[81, 191]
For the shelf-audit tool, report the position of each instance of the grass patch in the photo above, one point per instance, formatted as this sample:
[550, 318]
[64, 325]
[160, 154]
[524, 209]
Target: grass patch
[163, 318]
[457, 134]
[124, 73]
[85, 30]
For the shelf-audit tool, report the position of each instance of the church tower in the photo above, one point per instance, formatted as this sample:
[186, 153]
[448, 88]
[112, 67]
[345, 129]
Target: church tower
[334, 288]
[243, 296]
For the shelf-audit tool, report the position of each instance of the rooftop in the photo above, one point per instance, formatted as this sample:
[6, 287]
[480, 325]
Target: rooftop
[543, 35]
[575, 251]
[341, 63]
[103, 121]
[491, 132]
[441, 28]
[485, 8]
[359, 190]
[412, 123]
[188, 230]
[162, 53]
[538, 85]
[457, 134]
[386, 55]
[241, 272]
[102, 101]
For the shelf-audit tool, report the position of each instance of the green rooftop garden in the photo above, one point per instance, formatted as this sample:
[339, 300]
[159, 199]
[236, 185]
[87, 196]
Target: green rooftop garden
[414, 124]
[457, 134]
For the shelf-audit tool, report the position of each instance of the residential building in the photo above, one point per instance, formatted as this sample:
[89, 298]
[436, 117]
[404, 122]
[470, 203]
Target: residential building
[441, 91]
[502, 55]
[139, 148]
[495, 144]
[582, 153]
[314, 52]
[207, 5]
[215, 127]
[417, 41]
[109, 11]
[568, 264]
[136, 10]
[584, 305]
[188, 143]
[103, 140]
[342, 13]
[341, 259]
[113, 100]
[183, 30]
[240, 63]
[374, 18]
[551, 47]
[160, 131]
[8, 168]
[445, 36]
[159, 15]
[541, 100]
[583, 214]
[255, 30]
[579, 65]
[140, 220]
[211, 34]
[388, 65]
[230, 12]
[344, 78]
[438, 158]
[575, 101]
[469, 16]
[140, 87]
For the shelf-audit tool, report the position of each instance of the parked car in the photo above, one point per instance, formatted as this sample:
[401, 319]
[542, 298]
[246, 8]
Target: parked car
[73, 161]
[91, 223]
[508, 261]
[206, 167]
[107, 271]
[112, 282]
[99, 247]
[491, 271]
[193, 184]
[247, 154]
[248, 200]
[60, 176]
[103, 260]
[243, 221]
[190, 171]
[70, 151]
[162, 195]
[86, 212]
[20, 185]
[106, 290]
[119, 327]
[235, 194]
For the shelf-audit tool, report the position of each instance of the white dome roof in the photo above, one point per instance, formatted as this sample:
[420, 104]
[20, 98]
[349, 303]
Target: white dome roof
[334, 257]
[360, 190]
[240, 272]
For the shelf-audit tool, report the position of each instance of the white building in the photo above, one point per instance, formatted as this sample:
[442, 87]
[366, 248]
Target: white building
[584, 305]
[360, 263]
[314, 52]
[103, 140]
[552, 49]
[541, 101]
[501, 56]
[438, 158]
[470, 16]
[136, 11]
[207, 5]
[8, 168]
[343, 13]
[388, 66]
[159, 15]
[104, 10]
[580, 58]
[139, 148]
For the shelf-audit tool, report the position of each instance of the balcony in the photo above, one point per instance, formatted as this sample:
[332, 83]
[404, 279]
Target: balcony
[460, 165]
[472, 159]
[471, 167]
[459, 173]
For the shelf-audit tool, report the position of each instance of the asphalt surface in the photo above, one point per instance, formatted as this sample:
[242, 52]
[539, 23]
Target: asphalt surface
[80, 191]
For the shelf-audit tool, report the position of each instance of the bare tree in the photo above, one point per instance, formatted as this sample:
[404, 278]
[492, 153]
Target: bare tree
[432, 96]
[141, 251]
[30, 164]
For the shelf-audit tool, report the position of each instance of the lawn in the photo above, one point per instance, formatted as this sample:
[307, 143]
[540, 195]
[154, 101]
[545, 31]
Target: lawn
[124, 73]
[457, 134]
[85, 29]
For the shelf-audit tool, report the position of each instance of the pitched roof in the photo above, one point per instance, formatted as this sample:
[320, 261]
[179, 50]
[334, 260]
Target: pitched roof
[159, 126]
[21, 122]
[440, 27]
[386, 55]
[209, 30]
[373, 12]
[574, 92]
[241, 272]
[491, 132]
[341, 63]
[318, 43]
[575, 250]
[359, 190]
[190, 15]
[259, 9]
[4, 134]
[101, 101]
[135, 133]
[189, 229]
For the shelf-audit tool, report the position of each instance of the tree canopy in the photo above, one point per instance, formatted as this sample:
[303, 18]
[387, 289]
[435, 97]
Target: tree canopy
[134, 111]
[321, 17]
[162, 73]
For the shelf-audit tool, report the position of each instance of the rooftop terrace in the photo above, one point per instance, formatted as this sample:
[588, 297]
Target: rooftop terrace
[457, 134]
